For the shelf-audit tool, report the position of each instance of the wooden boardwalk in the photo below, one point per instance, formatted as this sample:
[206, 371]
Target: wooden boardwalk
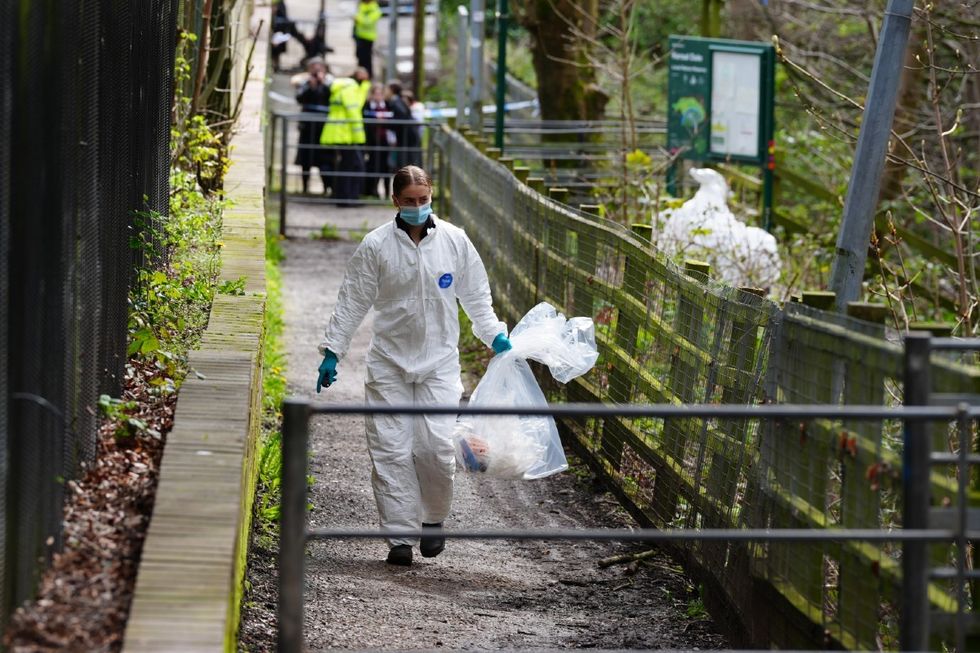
[190, 575]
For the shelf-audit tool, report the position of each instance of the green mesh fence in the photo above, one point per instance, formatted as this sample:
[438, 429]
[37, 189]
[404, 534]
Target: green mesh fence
[672, 335]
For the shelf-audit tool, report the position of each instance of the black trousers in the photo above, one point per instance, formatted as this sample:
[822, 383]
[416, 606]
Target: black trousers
[376, 165]
[352, 162]
[364, 48]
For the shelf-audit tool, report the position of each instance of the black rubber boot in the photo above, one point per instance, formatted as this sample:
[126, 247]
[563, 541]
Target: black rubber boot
[401, 555]
[432, 546]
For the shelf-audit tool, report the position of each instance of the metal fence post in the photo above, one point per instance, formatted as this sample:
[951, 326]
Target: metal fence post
[292, 531]
[282, 175]
[869, 156]
[477, 17]
[270, 153]
[914, 623]
[392, 62]
[462, 47]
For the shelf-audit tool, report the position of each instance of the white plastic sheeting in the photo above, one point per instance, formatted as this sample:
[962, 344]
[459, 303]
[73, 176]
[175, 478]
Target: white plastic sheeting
[525, 447]
[704, 228]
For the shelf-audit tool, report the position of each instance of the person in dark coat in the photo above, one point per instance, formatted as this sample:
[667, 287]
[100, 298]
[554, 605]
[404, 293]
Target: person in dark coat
[379, 138]
[406, 136]
[283, 28]
[314, 97]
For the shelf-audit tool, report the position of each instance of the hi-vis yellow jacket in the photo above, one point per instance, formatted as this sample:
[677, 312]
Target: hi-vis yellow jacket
[366, 20]
[345, 122]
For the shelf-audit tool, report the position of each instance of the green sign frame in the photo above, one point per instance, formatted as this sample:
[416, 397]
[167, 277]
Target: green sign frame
[698, 70]
[721, 104]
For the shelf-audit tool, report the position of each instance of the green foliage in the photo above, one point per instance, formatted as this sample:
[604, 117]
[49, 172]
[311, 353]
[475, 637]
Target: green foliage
[474, 355]
[655, 21]
[267, 504]
[171, 297]
[520, 63]
[120, 413]
[357, 235]
[169, 306]
[236, 287]
[268, 508]
[695, 606]
[327, 232]
[196, 147]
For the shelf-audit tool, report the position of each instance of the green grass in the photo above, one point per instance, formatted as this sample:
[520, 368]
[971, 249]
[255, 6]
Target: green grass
[269, 453]
[269, 456]
[474, 356]
[327, 232]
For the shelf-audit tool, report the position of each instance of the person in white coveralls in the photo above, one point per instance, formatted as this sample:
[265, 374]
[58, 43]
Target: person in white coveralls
[411, 271]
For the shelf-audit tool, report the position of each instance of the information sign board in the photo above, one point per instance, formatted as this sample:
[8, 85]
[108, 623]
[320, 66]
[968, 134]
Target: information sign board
[720, 100]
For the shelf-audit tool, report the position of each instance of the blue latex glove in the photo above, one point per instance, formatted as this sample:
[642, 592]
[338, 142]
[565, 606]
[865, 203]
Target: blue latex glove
[500, 344]
[328, 371]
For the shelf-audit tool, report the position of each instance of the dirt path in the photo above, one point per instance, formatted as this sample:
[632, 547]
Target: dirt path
[484, 595]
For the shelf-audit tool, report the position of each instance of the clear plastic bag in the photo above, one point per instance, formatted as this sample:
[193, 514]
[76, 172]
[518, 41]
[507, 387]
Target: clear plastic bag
[510, 446]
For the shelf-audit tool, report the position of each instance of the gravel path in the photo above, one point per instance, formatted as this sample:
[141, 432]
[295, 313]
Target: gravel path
[476, 595]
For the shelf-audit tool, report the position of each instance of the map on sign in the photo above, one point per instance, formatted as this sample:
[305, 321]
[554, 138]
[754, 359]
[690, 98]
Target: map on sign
[691, 111]
[735, 103]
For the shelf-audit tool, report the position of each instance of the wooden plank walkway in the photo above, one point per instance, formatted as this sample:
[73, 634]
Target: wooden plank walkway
[190, 575]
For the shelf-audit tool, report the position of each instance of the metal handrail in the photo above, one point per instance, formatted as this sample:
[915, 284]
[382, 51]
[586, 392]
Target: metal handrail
[294, 534]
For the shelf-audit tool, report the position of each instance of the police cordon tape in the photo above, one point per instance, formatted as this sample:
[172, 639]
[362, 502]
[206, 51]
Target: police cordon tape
[433, 113]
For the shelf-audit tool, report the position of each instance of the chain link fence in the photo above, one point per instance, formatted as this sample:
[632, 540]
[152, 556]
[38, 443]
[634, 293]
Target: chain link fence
[672, 335]
[85, 101]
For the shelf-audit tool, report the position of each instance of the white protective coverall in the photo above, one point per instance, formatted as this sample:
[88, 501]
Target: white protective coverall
[414, 358]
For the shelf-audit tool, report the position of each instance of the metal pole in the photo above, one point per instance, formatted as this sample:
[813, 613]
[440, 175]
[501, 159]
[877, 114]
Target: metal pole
[914, 624]
[477, 16]
[418, 50]
[392, 41]
[270, 150]
[502, 18]
[462, 47]
[767, 199]
[964, 424]
[292, 531]
[284, 135]
[869, 158]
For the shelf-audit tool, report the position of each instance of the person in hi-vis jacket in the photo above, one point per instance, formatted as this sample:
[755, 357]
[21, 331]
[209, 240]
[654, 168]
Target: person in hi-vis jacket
[366, 31]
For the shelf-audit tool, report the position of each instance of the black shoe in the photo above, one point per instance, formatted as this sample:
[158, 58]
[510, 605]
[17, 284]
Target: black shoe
[432, 546]
[401, 555]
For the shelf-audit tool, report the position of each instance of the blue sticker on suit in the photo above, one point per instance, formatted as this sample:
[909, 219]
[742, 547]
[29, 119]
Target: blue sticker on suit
[445, 280]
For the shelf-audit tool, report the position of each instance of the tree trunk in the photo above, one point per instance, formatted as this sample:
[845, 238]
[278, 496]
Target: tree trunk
[561, 35]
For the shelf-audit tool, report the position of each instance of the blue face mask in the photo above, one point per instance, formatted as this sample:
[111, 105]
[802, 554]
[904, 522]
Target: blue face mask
[415, 215]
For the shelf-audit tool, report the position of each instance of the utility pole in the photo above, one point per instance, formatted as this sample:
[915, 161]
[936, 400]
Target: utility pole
[502, 20]
[869, 157]
[477, 16]
[418, 51]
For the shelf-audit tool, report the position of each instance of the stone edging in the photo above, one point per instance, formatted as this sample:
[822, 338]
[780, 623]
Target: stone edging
[190, 575]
